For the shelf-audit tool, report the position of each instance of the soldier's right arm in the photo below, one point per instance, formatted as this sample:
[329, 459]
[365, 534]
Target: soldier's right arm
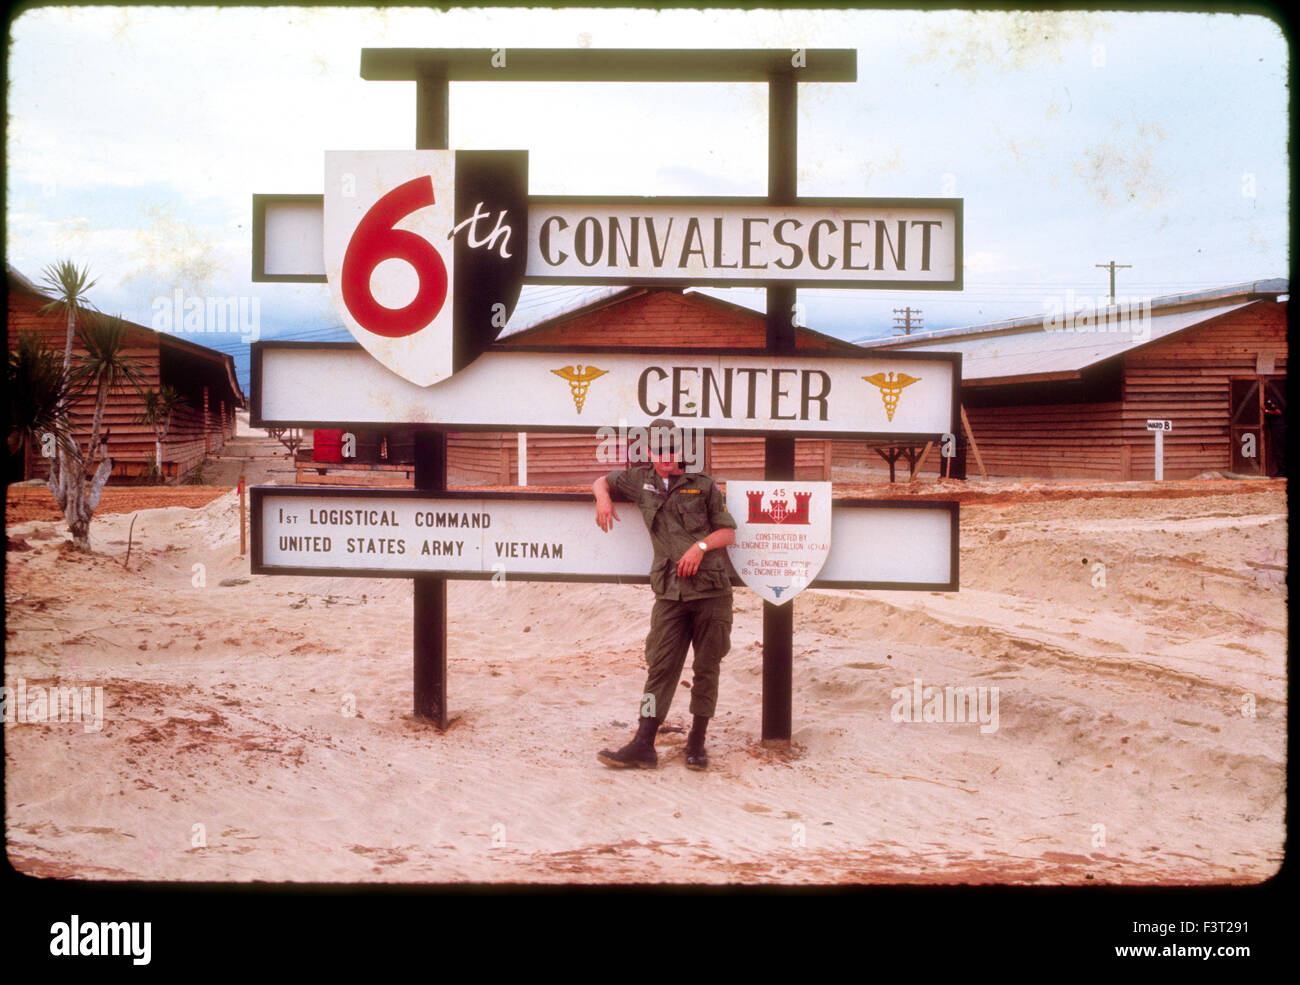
[622, 484]
[605, 513]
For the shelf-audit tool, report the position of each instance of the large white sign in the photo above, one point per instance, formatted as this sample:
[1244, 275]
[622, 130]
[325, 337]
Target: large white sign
[398, 533]
[884, 394]
[783, 534]
[912, 243]
[892, 244]
[393, 533]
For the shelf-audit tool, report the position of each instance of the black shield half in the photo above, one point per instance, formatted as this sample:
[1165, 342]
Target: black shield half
[492, 185]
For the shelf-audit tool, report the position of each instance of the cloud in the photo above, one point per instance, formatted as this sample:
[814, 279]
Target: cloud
[977, 44]
[989, 262]
[182, 252]
[1121, 170]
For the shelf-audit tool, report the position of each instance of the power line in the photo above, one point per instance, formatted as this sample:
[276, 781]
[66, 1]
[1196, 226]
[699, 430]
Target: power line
[1113, 265]
[907, 314]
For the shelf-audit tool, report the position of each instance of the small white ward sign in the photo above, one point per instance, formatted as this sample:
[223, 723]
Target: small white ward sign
[389, 258]
[1159, 427]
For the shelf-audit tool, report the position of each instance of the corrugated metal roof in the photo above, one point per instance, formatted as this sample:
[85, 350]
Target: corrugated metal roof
[1034, 352]
[532, 312]
[1253, 290]
[606, 297]
[1024, 349]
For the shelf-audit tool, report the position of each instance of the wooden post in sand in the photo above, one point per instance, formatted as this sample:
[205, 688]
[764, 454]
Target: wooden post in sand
[778, 452]
[970, 436]
[920, 462]
[429, 622]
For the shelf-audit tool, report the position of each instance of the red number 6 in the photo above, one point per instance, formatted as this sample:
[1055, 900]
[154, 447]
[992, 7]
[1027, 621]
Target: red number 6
[374, 241]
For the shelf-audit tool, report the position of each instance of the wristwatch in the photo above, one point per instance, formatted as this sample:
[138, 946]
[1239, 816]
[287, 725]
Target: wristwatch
[702, 545]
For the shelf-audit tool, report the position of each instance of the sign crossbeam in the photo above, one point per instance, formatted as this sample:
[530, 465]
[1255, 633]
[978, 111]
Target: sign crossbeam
[608, 64]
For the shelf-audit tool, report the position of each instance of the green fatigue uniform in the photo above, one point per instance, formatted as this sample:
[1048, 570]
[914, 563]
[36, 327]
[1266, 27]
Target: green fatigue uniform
[687, 611]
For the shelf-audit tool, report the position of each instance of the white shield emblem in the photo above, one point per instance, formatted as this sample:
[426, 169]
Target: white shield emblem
[388, 259]
[783, 534]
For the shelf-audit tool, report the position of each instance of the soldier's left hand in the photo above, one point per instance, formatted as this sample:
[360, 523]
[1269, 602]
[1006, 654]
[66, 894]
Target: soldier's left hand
[690, 562]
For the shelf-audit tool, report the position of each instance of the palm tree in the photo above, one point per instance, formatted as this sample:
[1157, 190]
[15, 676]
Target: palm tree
[159, 406]
[39, 391]
[104, 366]
[69, 286]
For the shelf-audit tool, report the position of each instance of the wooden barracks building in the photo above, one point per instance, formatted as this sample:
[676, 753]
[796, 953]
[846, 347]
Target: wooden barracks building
[203, 376]
[1054, 397]
[1044, 399]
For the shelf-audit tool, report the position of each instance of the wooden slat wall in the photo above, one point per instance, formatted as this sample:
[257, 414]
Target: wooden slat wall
[1050, 441]
[742, 458]
[555, 459]
[479, 458]
[131, 445]
[856, 457]
[665, 318]
[1186, 380]
[1054, 441]
[570, 459]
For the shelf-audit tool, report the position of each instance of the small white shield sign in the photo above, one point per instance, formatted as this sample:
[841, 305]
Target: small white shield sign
[783, 534]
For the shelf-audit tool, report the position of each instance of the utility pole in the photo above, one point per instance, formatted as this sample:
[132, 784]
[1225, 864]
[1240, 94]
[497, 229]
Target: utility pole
[906, 320]
[1113, 266]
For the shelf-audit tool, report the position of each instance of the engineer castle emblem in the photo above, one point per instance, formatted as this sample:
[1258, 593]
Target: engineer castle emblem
[778, 510]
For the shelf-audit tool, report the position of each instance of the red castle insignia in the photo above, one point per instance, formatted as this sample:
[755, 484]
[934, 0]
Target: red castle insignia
[779, 511]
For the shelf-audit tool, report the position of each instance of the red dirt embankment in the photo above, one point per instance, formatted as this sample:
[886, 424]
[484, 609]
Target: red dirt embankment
[36, 503]
[1000, 491]
[25, 503]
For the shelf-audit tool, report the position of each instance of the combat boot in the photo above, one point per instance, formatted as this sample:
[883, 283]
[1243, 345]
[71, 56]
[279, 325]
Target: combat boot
[696, 757]
[640, 752]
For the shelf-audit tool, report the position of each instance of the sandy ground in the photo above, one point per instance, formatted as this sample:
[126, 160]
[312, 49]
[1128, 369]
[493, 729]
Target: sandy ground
[1141, 728]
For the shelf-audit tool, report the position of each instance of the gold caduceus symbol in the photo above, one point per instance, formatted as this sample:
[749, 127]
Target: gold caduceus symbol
[890, 387]
[579, 379]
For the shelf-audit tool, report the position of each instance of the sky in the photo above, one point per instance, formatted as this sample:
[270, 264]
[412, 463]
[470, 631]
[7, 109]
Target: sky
[138, 136]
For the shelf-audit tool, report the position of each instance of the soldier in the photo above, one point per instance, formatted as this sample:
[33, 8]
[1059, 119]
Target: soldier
[689, 525]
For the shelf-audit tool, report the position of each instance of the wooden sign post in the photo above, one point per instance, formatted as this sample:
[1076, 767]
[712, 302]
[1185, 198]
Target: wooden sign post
[778, 242]
[243, 520]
